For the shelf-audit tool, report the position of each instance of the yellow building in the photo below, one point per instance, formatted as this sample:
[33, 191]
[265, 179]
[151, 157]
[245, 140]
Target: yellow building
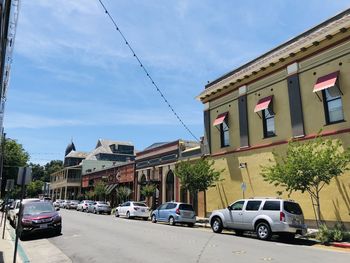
[290, 92]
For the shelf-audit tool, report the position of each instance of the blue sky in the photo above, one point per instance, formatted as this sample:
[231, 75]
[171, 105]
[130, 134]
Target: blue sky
[73, 76]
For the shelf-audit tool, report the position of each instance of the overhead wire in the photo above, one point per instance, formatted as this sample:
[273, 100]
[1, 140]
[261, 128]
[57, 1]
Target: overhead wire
[117, 28]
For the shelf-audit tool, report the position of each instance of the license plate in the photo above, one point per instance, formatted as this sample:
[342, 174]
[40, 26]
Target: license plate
[187, 214]
[142, 210]
[43, 226]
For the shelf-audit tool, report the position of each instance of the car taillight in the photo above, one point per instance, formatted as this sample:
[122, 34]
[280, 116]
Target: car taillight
[282, 217]
[136, 208]
[177, 211]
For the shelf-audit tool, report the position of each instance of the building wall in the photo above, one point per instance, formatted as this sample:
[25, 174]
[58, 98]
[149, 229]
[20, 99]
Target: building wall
[335, 200]
[334, 206]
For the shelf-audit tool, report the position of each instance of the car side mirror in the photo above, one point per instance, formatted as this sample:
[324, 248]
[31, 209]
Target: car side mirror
[229, 208]
[57, 209]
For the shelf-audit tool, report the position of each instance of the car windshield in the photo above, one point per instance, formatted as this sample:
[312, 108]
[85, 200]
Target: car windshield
[292, 208]
[101, 203]
[140, 204]
[36, 208]
[187, 207]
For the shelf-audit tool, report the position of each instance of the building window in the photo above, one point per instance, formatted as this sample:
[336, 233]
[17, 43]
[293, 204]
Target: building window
[268, 123]
[333, 105]
[221, 124]
[170, 186]
[224, 134]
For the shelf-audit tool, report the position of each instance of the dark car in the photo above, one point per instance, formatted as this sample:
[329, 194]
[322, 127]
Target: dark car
[40, 217]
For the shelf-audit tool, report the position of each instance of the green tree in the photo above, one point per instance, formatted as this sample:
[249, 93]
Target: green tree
[100, 189]
[34, 188]
[197, 176]
[148, 190]
[50, 168]
[14, 156]
[308, 167]
[123, 193]
[90, 194]
[38, 171]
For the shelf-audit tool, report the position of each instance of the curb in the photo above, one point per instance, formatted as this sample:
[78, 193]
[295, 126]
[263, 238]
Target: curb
[341, 245]
[20, 250]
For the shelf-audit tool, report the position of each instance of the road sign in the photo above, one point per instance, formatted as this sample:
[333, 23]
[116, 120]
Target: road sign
[27, 173]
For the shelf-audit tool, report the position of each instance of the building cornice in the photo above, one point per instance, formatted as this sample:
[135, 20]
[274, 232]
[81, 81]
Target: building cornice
[312, 37]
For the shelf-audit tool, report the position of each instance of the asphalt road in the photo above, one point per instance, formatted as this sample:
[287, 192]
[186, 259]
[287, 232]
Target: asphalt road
[102, 238]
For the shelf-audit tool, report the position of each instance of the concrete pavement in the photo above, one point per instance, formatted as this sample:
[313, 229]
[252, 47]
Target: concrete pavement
[37, 250]
[7, 245]
[101, 238]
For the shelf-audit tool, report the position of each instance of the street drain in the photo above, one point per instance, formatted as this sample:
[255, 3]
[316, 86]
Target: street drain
[239, 252]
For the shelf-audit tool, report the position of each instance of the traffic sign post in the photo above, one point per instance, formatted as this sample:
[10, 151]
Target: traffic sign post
[24, 177]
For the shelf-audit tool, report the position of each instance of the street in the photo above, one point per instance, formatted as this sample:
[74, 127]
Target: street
[101, 238]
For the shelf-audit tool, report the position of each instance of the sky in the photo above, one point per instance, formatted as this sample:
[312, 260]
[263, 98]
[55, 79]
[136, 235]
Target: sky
[73, 77]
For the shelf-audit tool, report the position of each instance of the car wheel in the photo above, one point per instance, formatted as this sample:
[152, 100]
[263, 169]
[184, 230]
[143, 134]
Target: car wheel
[21, 234]
[58, 231]
[95, 211]
[171, 221]
[116, 213]
[154, 219]
[190, 224]
[216, 225]
[263, 231]
[128, 215]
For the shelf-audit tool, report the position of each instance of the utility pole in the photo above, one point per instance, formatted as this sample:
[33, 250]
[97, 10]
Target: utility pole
[2, 161]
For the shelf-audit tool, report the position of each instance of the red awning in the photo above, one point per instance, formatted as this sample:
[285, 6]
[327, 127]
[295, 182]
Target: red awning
[326, 82]
[220, 119]
[263, 104]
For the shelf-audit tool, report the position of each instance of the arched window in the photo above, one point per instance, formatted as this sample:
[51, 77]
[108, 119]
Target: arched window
[142, 183]
[170, 186]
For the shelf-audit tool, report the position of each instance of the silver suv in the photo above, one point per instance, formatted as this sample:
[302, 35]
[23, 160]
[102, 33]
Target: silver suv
[265, 216]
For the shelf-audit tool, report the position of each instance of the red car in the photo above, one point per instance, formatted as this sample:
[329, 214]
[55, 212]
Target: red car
[40, 216]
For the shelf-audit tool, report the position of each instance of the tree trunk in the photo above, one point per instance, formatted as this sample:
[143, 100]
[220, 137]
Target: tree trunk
[318, 208]
[205, 203]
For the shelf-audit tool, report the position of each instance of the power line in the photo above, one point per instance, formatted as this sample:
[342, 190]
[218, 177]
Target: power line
[145, 70]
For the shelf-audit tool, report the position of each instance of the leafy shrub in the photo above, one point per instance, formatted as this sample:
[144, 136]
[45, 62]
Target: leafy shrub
[339, 233]
[324, 234]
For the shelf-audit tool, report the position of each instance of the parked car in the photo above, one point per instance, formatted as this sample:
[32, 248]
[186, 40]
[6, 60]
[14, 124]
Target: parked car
[38, 216]
[73, 204]
[12, 214]
[57, 203]
[174, 212]
[66, 204]
[99, 207]
[83, 205]
[265, 216]
[133, 209]
[62, 203]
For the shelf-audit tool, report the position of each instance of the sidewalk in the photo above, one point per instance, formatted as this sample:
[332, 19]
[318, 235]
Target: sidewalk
[7, 245]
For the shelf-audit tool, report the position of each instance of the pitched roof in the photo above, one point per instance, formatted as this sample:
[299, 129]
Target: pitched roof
[103, 146]
[75, 154]
[155, 145]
